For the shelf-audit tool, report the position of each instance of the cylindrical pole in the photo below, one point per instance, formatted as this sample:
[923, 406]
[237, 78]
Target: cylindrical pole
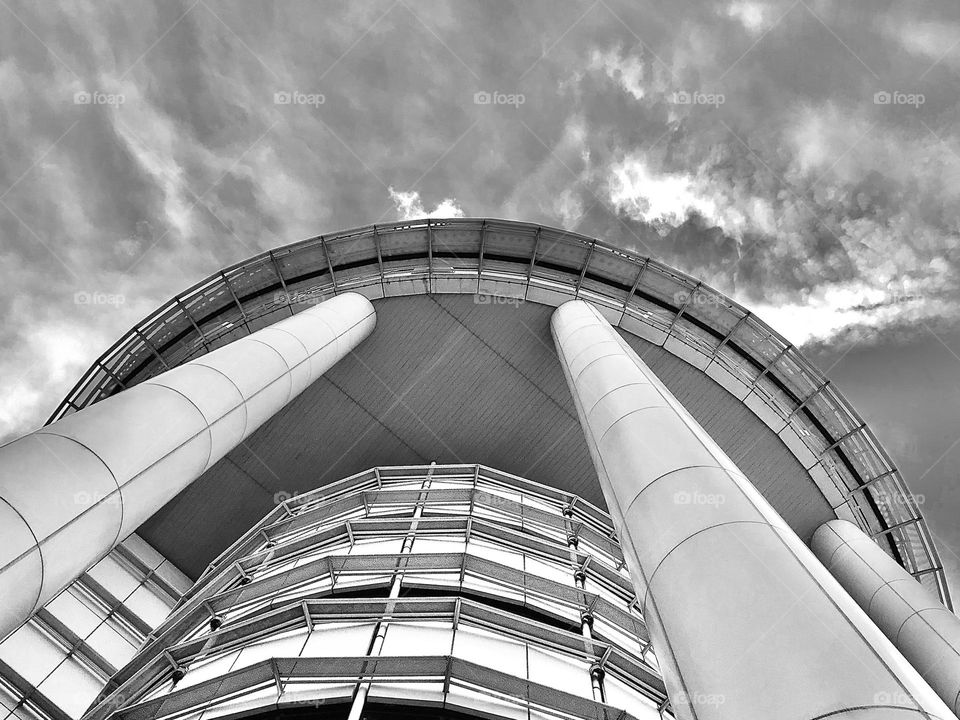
[745, 622]
[72, 490]
[916, 622]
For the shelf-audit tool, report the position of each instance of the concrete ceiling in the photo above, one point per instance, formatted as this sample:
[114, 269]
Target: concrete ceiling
[444, 378]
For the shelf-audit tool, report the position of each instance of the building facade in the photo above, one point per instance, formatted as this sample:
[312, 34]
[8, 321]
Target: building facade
[56, 665]
[428, 587]
[446, 588]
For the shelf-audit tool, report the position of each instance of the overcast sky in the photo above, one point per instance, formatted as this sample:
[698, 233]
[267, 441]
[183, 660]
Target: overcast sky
[800, 155]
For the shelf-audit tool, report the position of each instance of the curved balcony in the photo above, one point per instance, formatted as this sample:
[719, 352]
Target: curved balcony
[494, 578]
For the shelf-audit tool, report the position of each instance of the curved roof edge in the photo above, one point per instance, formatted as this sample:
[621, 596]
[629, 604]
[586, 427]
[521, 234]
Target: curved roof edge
[509, 261]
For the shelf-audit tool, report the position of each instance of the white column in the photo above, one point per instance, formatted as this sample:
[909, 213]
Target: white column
[916, 622]
[72, 490]
[745, 622]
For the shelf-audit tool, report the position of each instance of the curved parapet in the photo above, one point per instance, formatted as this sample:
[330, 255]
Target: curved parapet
[507, 261]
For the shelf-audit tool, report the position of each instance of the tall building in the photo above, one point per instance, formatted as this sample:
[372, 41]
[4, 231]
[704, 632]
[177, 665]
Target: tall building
[474, 467]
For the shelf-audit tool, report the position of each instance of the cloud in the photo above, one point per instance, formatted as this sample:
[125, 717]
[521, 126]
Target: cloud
[855, 312]
[929, 40]
[756, 17]
[828, 203]
[629, 71]
[653, 197]
[410, 207]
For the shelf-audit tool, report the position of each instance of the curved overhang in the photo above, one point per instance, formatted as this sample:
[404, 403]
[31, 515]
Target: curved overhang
[461, 369]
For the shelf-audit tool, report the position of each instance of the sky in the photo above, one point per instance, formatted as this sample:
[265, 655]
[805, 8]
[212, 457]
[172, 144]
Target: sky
[799, 155]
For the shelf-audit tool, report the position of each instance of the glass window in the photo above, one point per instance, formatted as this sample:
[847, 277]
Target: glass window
[418, 638]
[139, 548]
[148, 604]
[339, 639]
[287, 644]
[115, 579]
[74, 614]
[31, 653]
[623, 697]
[72, 687]
[111, 645]
[173, 577]
[560, 671]
[491, 649]
[208, 668]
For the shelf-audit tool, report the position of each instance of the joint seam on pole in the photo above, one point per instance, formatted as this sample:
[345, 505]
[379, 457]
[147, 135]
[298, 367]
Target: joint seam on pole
[36, 544]
[46, 431]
